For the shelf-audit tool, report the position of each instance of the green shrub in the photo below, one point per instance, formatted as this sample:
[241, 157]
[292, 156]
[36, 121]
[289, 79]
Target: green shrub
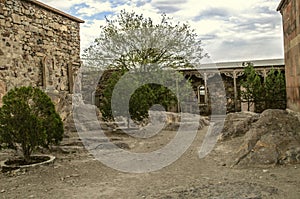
[28, 119]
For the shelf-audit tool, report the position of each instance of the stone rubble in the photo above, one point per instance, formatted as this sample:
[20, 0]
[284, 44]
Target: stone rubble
[273, 139]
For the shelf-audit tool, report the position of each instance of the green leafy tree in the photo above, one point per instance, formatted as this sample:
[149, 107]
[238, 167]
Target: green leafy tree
[132, 42]
[141, 100]
[270, 94]
[275, 92]
[253, 90]
[28, 119]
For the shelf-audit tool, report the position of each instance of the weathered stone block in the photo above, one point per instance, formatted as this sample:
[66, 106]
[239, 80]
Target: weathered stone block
[64, 28]
[26, 12]
[50, 33]
[16, 18]
[1, 10]
[5, 34]
[8, 24]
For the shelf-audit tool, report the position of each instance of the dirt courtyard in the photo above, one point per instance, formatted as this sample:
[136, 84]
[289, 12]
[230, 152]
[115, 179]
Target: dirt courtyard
[76, 174]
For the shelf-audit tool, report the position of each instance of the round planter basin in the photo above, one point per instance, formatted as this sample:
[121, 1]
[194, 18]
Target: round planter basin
[18, 163]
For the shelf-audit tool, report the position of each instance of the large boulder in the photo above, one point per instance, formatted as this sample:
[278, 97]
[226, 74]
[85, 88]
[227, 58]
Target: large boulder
[273, 139]
[237, 124]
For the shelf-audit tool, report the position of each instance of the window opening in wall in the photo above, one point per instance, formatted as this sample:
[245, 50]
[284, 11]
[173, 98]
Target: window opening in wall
[201, 94]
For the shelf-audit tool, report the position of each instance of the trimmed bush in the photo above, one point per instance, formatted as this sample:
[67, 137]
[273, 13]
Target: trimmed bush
[28, 119]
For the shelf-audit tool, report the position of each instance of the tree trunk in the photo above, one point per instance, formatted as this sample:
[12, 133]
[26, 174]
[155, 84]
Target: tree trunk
[26, 152]
[248, 106]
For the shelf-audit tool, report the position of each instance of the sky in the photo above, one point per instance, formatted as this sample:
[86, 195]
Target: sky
[230, 30]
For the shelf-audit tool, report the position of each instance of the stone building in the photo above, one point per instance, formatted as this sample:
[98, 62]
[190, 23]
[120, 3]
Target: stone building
[290, 10]
[39, 46]
[231, 74]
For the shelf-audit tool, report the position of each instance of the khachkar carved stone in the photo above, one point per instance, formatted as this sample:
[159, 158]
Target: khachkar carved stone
[2, 91]
[77, 94]
[70, 77]
[48, 68]
[72, 72]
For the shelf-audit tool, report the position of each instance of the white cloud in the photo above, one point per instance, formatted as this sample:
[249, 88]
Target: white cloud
[235, 28]
[89, 32]
[94, 7]
[62, 5]
[231, 29]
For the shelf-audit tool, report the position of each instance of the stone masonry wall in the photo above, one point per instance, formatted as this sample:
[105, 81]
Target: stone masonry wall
[290, 11]
[38, 47]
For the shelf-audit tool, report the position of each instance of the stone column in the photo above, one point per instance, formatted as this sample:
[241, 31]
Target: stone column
[265, 75]
[235, 74]
[235, 91]
[205, 88]
[177, 95]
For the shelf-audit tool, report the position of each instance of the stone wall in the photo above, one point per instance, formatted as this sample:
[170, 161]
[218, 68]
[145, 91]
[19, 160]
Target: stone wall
[39, 46]
[217, 89]
[290, 10]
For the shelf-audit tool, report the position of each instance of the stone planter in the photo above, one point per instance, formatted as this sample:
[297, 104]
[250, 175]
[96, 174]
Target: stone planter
[13, 164]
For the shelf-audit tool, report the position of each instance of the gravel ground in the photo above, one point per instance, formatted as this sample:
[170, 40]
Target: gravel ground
[76, 174]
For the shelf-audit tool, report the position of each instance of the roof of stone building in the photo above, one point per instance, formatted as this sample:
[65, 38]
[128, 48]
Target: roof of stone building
[239, 64]
[256, 63]
[281, 4]
[45, 6]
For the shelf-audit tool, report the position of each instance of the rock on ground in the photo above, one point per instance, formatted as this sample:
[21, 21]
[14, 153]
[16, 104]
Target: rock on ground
[237, 124]
[273, 139]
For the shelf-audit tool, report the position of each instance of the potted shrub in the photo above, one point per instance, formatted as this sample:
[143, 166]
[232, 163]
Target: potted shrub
[28, 120]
